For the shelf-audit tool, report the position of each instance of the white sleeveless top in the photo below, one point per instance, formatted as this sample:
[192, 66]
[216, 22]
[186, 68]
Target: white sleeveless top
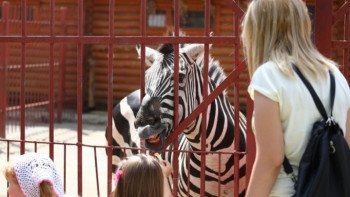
[298, 111]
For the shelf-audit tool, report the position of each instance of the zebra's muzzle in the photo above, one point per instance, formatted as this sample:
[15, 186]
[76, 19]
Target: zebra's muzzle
[155, 143]
[154, 137]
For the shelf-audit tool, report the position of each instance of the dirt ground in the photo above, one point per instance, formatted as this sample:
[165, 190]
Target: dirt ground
[94, 125]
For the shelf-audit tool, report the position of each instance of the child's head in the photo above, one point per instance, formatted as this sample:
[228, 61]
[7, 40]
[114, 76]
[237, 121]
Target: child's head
[139, 176]
[33, 175]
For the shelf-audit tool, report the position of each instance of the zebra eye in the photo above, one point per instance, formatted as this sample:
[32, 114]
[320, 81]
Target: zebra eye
[151, 120]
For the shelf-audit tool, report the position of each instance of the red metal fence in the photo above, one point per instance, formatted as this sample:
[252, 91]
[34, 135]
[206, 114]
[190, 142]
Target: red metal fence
[28, 81]
[325, 18]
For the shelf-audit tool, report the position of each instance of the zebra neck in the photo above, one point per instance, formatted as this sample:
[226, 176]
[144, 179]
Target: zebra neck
[219, 127]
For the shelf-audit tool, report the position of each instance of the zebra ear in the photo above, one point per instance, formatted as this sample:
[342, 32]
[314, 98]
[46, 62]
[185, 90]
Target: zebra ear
[193, 50]
[151, 54]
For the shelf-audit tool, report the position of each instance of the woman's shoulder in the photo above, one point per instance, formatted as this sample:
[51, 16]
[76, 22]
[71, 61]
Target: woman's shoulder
[267, 66]
[340, 78]
[268, 70]
[267, 80]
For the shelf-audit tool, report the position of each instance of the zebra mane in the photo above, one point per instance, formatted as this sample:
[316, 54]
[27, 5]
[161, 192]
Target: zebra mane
[166, 48]
[216, 73]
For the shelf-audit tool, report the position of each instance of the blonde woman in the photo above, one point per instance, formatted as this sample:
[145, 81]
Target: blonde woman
[275, 35]
[33, 175]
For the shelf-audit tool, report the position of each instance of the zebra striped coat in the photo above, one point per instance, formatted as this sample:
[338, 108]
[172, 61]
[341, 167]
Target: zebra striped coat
[154, 120]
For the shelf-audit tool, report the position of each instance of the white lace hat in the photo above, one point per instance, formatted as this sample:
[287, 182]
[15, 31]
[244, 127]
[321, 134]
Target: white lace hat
[32, 169]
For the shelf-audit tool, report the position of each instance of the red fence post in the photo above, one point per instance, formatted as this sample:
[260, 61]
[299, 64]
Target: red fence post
[346, 51]
[3, 70]
[323, 26]
[251, 148]
[62, 65]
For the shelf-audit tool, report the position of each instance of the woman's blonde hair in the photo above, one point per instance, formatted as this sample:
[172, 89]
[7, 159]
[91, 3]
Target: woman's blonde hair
[142, 176]
[46, 189]
[280, 31]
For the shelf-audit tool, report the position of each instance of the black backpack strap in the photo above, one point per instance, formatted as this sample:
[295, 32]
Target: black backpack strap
[332, 91]
[286, 165]
[288, 169]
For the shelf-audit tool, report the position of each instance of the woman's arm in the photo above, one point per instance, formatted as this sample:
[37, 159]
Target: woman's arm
[269, 146]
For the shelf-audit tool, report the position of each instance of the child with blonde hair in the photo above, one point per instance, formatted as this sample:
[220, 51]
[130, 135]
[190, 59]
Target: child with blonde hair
[143, 176]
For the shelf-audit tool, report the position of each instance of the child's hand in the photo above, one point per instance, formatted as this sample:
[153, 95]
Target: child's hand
[166, 167]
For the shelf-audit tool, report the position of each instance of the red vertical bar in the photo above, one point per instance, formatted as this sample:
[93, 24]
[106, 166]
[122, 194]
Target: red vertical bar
[3, 71]
[205, 94]
[219, 175]
[176, 98]
[8, 159]
[110, 93]
[143, 34]
[142, 75]
[80, 93]
[236, 109]
[79, 114]
[346, 50]
[62, 65]
[250, 140]
[51, 85]
[22, 84]
[323, 26]
[64, 167]
[96, 172]
[8, 150]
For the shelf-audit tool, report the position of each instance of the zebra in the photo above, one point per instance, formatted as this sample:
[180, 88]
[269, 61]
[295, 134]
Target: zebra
[154, 119]
[124, 114]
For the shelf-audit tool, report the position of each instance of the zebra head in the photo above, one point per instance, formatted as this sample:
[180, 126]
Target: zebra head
[154, 120]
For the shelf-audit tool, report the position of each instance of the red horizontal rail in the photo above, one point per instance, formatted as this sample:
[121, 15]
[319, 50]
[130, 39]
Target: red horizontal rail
[341, 44]
[121, 39]
[119, 147]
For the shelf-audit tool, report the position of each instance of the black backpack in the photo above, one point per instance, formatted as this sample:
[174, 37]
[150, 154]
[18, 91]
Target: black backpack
[324, 169]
